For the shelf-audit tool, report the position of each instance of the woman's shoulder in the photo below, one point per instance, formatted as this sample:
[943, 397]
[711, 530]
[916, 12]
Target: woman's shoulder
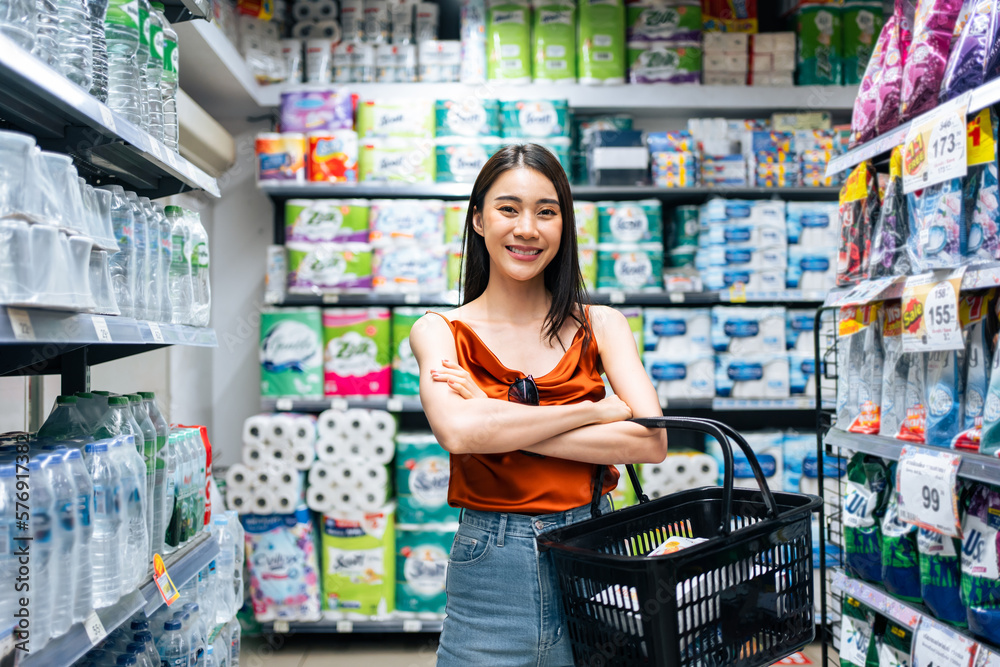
[602, 316]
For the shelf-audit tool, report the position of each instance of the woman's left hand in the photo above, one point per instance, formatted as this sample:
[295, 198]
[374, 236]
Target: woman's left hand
[458, 379]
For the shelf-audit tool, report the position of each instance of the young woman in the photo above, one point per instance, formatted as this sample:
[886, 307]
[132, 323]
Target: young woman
[511, 385]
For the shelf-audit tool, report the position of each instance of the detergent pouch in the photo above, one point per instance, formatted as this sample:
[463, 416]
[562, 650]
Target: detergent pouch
[914, 426]
[973, 309]
[887, 97]
[937, 234]
[944, 389]
[865, 498]
[863, 118]
[849, 354]
[980, 569]
[865, 392]
[859, 208]
[856, 630]
[933, 25]
[895, 371]
[992, 68]
[989, 444]
[941, 576]
[966, 65]
[891, 233]
[900, 567]
[895, 646]
[982, 195]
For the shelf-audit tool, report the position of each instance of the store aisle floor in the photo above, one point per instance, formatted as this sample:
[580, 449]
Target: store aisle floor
[366, 651]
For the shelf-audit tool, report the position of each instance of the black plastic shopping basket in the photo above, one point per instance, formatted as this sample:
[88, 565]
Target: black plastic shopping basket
[744, 597]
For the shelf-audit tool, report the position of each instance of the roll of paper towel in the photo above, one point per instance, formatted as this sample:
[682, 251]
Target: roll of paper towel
[239, 478]
[328, 29]
[333, 450]
[285, 503]
[331, 424]
[279, 453]
[262, 478]
[383, 425]
[374, 474]
[255, 454]
[320, 499]
[322, 474]
[281, 428]
[357, 422]
[264, 502]
[240, 501]
[285, 478]
[302, 457]
[303, 430]
[254, 428]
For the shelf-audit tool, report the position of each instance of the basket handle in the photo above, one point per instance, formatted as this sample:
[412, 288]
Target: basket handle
[719, 431]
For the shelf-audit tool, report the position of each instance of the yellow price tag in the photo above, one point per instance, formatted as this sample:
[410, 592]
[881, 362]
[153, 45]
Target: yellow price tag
[163, 581]
[981, 142]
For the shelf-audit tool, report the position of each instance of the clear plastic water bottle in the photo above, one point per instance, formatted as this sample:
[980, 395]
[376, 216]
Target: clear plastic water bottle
[75, 51]
[96, 10]
[235, 637]
[64, 535]
[123, 262]
[199, 630]
[139, 412]
[141, 297]
[205, 591]
[117, 420]
[42, 527]
[154, 72]
[136, 543]
[168, 85]
[168, 455]
[138, 651]
[159, 470]
[141, 61]
[127, 660]
[107, 519]
[185, 621]
[239, 537]
[121, 31]
[200, 480]
[149, 647]
[175, 526]
[83, 594]
[225, 565]
[46, 46]
[201, 286]
[17, 21]
[8, 561]
[181, 284]
[209, 660]
[153, 297]
[166, 256]
[64, 422]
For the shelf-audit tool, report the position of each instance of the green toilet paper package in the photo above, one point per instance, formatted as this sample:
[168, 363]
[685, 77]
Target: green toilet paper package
[291, 352]
[358, 557]
[554, 37]
[534, 119]
[585, 213]
[423, 471]
[460, 159]
[630, 221]
[405, 372]
[470, 117]
[454, 221]
[422, 553]
[664, 62]
[861, 24]
[397, 161]
[819, 43]
[601, 42]
[508, 41]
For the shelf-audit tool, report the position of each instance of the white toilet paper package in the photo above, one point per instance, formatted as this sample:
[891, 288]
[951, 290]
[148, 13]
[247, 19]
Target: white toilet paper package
[895, 371]
[900, 560]
[767, 448]
[796, 449]
[748, 330]
[811, 269]
[860, 335]
[865, 499]
[677, 330]
[980, 563]
[799, 325]
[982, 194]
[752, 376]
[683, 375]
[801, 374]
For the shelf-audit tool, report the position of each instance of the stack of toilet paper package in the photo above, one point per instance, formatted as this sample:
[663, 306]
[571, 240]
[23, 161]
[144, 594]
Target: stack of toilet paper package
[261, 47]
[396, 140]
[813, 237]
[664, 41]
[752, 359]
[679, 356]
[277, 450]
[743, 242]
[467, 134]
[630, 246]
[408, 241]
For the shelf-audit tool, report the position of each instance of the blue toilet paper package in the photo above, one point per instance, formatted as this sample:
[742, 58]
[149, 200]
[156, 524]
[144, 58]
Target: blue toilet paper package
[941, 576]
[865, 502]
[799, 325]
[900, 566]
[748, 330]
[980, 567]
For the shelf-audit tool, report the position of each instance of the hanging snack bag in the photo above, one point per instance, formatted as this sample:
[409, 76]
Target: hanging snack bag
[933, 25]
[966, 66]
[889, 238]
[914, 426]
[900, 566]
[896, 645]
[856, 632]
[859, 208]
[937, 234]
[890, 89]
[982, 194]
[865, 498]
[895, 371]
[973, 309]
[863, 119]
[980, 567]
[941, 576]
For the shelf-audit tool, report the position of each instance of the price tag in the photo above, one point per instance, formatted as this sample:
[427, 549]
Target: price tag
[163, 582]
[930, 312]
[616, 297]
[936, 646]
[676, 297]
[738, 293]
[331, 298]
[864, 292]
[935, 150]
[412, 625]
[339, 404]
[20, 322]
[394, 404]
[101, 327]
[94, 628]
[172, 160]
[107, 117]
[281, 627]
[411, 298]
[345, 627]
[987, 658]
[926, 488]
[283, 404]
[154, 328]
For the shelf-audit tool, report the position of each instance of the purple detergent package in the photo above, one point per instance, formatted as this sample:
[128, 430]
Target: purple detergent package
[992, 68]
[966, 66]
[317, 110]
[891, 233]
[933, 25]
[890, 88]
[865, 104]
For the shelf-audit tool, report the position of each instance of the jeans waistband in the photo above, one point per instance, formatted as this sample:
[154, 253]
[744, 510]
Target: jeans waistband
[524, 525]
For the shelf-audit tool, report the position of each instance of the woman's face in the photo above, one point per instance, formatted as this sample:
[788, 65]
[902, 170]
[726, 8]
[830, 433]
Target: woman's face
[521, 223]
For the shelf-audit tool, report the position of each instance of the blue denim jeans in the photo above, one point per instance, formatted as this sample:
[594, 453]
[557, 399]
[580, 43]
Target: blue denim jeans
[503, 605]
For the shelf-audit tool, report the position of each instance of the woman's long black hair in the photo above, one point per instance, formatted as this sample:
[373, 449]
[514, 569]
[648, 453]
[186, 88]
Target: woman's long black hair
[563, 279]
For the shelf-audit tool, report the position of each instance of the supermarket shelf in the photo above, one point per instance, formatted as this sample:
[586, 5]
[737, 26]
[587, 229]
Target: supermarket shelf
[906, 614]
[37, 339]
[973, 466]
[106, 148]
[178, 11]
[329, 624]
[977, 276]
[752, 404]
[982, 97]
[462, 191]
[603, 297]
[182, 565]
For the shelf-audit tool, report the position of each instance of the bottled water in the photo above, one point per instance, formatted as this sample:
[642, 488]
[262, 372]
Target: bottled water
[166, 254]
[143, 298]
[64, 536]
[96, 9]
[209, 660]
[123, 262]
[107, 520]
[17, 21]
[75, 51]
[121, 31]
[149, 647]
[205, 591]
[64, 422]
[235, 635]
[200, 481]
[154, 296]
[180, 266]
[185, 620]
[158, 468]
[8, 562]
[175, 526]
[47, 32]
[126, 661]
[169, 458]
[239, 538]
[142, 61]
[199, 631]
[117, 420]
[168, 84]
[83, 593]
[42, 528]
[141, 416]
[154, 72]
[225, 566]
[201, 288]
[136, 542]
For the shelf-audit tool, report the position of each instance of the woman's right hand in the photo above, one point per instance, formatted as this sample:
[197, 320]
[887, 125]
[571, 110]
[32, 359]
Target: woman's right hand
[611, 409]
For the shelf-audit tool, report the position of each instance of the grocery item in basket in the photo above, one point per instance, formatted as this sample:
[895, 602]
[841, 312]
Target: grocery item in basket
[900, 566]
[864, 117]
[283, 568]
[859, 208]
[311, 110]
[534, 119]
[982, 195]
[941, 576]
[330, 266]
[664, 62]
[944, 392]
[914, 426]
[330, 220]
[924, 68]
[980, 568]
[966, 67]
[554, 36]
[332, 157]
[357, 354]
[856, 632]
[862, 24]
[675, 544]
[889, 256]
[359, 561]
[895, 371]
[405, 371]
[508, 41]
[467, 117]
[601, 42]
[865, 498]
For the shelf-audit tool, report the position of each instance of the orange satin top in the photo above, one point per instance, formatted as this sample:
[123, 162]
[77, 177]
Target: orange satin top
[516, 482]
